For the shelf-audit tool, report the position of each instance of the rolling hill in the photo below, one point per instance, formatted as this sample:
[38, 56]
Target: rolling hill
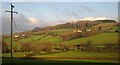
[52, 33]
[103, 38]
[48, 43]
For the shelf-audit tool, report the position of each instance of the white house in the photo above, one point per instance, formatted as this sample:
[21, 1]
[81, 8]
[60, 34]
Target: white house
[89, 30]
[16, 36]
[74, 30]
[77, 31]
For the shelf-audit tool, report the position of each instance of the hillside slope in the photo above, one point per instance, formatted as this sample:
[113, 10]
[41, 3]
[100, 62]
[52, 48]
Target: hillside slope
[103, 38]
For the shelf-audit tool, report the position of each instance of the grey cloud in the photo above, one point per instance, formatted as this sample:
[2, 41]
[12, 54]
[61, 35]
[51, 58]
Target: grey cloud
[22, 24]
[71, 13]
[87, 9]
[77, 12]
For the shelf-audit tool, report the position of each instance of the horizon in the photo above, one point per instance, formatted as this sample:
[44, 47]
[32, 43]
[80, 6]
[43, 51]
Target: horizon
[48, 14]
[81, 20]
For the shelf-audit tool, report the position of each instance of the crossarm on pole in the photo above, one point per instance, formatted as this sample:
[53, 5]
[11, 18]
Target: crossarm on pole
[13, 12]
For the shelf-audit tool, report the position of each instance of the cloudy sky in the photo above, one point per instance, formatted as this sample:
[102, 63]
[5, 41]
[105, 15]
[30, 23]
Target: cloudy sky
[41, 14]
[60, 0]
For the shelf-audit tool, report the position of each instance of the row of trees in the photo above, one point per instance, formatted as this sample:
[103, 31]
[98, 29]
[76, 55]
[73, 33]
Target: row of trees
[37, 47]
[71, 35]
[28, 47]
[49, 47]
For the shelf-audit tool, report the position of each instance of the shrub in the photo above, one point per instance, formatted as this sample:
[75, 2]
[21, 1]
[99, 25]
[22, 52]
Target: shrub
[26, 47]
[36, 47]
[48, 47]
[71, 35]
[4, 47]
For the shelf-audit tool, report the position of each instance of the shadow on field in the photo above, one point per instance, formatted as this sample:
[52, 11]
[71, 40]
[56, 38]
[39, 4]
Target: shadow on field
[32, 61]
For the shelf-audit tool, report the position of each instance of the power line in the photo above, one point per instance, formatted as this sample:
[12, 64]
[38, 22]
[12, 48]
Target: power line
[11, 11]
[16, 28]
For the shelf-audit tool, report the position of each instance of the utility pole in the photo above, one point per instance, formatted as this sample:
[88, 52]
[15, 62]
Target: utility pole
[12, 6]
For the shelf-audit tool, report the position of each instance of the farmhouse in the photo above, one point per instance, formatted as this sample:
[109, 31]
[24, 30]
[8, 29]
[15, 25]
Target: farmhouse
[16, 37]
[77, 30]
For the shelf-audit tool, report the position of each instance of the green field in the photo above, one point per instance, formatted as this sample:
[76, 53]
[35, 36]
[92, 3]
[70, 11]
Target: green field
[82, 54]
[8, 40]
[96, 39]
[105, 25]
[68, 56]
[37, 61]
[103, 38]
[38, 38]
[59, 31]
[87, 56]
[32, 38]
[54, 39]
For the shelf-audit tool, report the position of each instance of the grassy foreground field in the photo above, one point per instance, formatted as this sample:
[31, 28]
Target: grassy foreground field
[34, 61]
[84, 56]
[68, 56]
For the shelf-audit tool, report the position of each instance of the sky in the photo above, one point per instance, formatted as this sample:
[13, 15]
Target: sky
[60, 0]
[41, 14]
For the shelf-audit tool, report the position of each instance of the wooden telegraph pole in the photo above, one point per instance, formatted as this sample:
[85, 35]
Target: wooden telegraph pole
[11, 29]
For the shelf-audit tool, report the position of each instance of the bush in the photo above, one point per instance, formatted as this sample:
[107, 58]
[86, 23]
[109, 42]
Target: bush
[26, 47]
[48, 47]
[36, 47]
[4, 47]
[116, 30]
[71, 35]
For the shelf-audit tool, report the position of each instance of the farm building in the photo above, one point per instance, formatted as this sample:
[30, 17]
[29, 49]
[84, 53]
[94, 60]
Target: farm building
[77, 31]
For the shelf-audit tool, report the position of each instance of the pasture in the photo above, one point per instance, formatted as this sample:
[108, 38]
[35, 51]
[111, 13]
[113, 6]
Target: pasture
[103, 38]
[68, 56]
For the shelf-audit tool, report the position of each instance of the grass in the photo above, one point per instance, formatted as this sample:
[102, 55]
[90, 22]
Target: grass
[49, 38]
[53, 39]
[29, 39]
[105, 25]
[103, 38]
[16, 54]
[32, 38]
[68, 56]
[8, 40]
[19, 60]
[59, 31]
[71, 54]
[83, 54]
[38, 38]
